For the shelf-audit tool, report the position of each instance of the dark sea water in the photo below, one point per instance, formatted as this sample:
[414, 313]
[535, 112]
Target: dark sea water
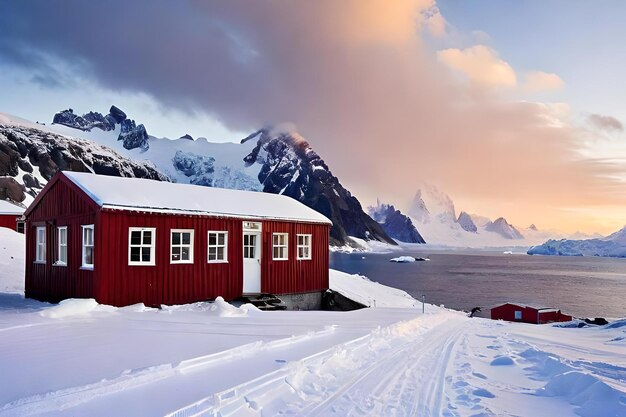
[583, 287]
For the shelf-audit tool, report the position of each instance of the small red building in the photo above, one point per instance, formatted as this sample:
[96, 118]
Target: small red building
[527, 314]
[128, 240]
[11, 216]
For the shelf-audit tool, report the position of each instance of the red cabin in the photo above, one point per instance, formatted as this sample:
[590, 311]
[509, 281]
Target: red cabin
[11, 216]
[527, 314]
[127, 240]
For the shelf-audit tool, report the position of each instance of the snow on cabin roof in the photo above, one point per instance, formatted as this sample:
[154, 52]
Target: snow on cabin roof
[526, 305]
[10, 208]
[156, 196]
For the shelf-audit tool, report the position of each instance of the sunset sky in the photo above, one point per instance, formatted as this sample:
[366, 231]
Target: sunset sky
[514, 108]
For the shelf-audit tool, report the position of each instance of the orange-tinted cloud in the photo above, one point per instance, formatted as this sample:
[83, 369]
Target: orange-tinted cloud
[481, 65]
[381, 108]
[538, 81]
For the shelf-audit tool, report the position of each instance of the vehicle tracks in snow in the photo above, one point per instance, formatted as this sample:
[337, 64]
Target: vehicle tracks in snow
[399, 370]
[407, 381]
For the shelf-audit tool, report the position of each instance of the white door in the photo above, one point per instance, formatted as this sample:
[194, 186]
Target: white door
[251, 262]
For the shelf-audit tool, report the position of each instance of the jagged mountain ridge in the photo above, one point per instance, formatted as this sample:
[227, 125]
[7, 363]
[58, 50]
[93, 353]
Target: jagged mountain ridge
[434, 214]
[395, 223]
[132, 135]
[466, 222]
[289, 166]
[29, 158]
[277, 162]
[503, 228]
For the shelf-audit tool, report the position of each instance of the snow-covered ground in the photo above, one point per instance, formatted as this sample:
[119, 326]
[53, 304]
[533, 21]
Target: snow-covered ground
[208, 359]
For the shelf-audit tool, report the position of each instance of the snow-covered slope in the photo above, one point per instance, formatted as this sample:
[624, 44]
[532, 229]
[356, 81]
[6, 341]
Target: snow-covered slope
[80, 358]
[613, 245]
[32, 154]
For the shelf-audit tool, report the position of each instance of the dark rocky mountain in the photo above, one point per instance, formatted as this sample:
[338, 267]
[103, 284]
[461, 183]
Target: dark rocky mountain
[291, 167]
[466, 222]
[30, 157]
[132, 135]
[504, 229]
[186, 136]
[395, 224]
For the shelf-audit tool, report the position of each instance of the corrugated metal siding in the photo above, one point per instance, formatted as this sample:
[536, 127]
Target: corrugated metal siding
[63, 205]
[292, 275]
[166, 283]
[9, 221]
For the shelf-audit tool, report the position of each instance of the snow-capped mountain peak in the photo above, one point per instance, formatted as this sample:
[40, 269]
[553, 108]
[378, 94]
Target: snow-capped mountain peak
[466, 222]
[619, 236]
[430, 204]
[504, 229]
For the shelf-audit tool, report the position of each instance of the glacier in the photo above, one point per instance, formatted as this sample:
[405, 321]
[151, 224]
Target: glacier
[613, 246]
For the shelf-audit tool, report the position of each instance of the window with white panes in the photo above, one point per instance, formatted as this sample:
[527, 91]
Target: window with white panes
[61, 246]
[40, 244]
[141, 245]
[217, 246]
[88, 244]
[304, 246]
[181, 247]
[280, 247]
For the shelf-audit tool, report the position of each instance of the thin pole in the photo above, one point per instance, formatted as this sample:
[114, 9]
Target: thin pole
[423, 303]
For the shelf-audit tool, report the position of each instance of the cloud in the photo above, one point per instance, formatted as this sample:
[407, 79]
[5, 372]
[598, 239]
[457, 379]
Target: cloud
[433, 20]
[354, 76]
[605, 122]
[481, 65]
[539, 81]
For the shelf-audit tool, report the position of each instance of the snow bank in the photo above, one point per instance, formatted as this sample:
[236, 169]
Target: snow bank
[11, 261]
[592, 396]
[219, 308]
[75, 307]
[372, 294]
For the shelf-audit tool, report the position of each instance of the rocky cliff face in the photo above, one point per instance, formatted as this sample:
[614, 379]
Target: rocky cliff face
[132, 135]
[30, 157]
[395, 224]
[291, 167]
[466, 222]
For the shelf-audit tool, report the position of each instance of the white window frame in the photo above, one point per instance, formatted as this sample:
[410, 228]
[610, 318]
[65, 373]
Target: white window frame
[60, 245]
[141, 245]
[217, 245]
[40, 245]
[282, 246]
[308, 246]
[84, 246]
[518, 314]
[181, 245]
